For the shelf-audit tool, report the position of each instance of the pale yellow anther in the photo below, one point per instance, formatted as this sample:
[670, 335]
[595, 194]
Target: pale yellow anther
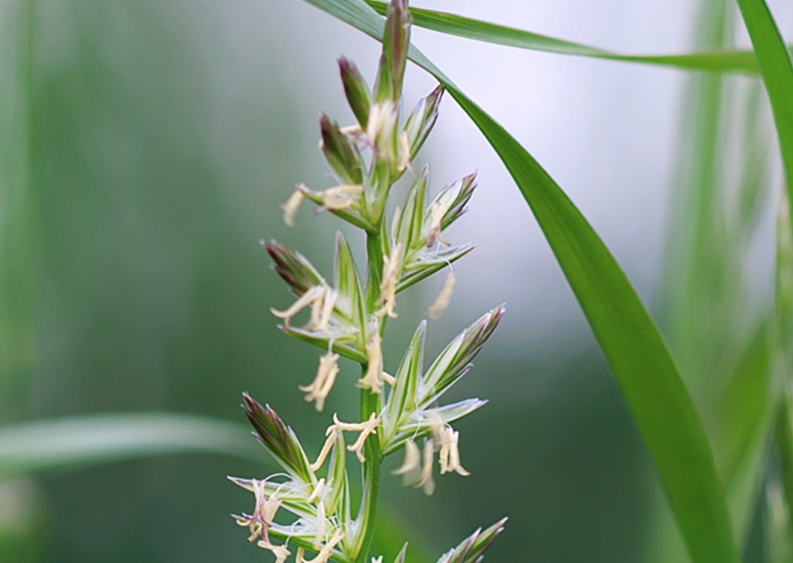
[380, 124]
[332, 436]
[325, 312]
[454, 457]
[291, 206]
[309, 297]
[341, 197]
[449, 456]
[389, 282]
[404, 152]
[351, 130]
[317, 490]
[321, 524]
[324, 553]
[412, 460]
[346, 426]
[366, 428]
[390, 379]
[373, 380]
[437, 309]
[280, 551]
[395, 222]
[316, 311]
[448, 439]
[323, 382]
[437, 211]
[426, 482]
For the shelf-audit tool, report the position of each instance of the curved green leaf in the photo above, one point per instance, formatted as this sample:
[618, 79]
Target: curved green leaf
[637, 353]
[776, 68]
[732, 60]
[86, 440]
[639, 357]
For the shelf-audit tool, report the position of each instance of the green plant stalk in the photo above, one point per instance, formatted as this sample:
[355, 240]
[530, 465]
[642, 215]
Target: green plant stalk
[371, 402]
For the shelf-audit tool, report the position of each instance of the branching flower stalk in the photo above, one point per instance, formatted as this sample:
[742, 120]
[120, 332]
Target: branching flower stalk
[397, 412]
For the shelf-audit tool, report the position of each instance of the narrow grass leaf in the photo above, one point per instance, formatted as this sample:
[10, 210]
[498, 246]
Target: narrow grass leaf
[93, 439]
[642, 364]
[738, 61]
[776, 68]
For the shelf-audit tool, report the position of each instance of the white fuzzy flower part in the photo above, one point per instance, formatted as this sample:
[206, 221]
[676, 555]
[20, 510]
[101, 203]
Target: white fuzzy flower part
[438, 308]
[323, 382]
[291, 206]
[373, 380]
[322, 300]
[389, 282]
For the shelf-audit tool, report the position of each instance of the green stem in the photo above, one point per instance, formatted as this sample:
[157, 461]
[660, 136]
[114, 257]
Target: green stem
[374, 255]
[371, 403]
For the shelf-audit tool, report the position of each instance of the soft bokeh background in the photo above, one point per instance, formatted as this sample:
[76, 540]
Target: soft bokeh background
[159, 139]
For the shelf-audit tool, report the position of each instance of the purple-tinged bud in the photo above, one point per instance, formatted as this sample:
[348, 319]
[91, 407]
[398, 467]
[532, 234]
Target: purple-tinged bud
[294, 268]
[356, 90]
[278, 438]
[400, 558]
[460, 193]
[422, 119]
[455, 360]
[395, 44]
[384, 86]
[341, 154]
[472, 548]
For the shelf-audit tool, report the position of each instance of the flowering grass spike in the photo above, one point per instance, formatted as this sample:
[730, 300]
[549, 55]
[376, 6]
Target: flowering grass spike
[348, 317]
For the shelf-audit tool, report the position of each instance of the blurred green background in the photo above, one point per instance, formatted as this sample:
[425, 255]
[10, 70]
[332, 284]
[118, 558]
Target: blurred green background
[145, 149]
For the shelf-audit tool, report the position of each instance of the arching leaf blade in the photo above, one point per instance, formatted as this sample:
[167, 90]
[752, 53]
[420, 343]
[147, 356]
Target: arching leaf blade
[79, 441]
[776, 68]
[727, 61]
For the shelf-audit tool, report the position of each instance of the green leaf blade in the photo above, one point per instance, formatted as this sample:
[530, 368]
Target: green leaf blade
[727, 61]
[637, 353]
[776, 68]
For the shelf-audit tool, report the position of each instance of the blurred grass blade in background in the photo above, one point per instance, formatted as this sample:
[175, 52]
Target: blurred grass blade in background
[635, 349]
[18, 208]
[778, 524]
[731, 60]
[717, 327]
[92, 439]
